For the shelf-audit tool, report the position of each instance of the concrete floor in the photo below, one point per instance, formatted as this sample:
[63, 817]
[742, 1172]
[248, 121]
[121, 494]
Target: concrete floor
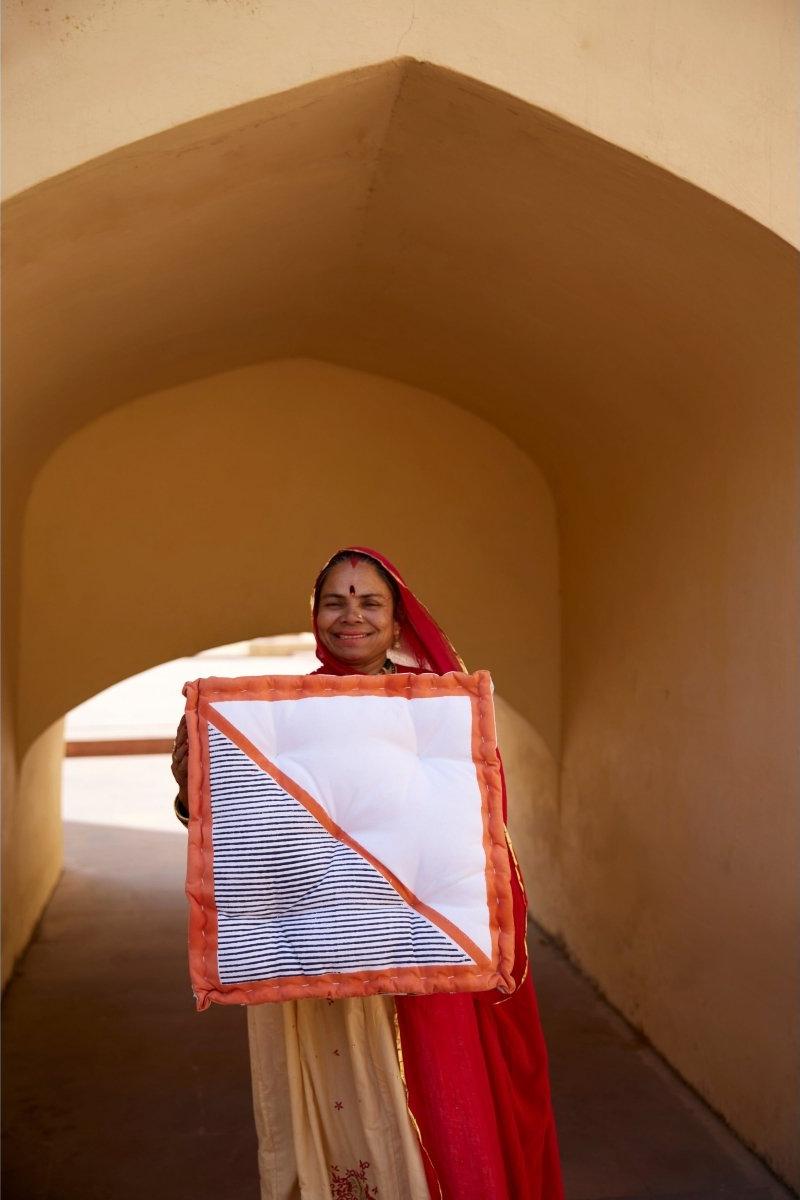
[115, 1088]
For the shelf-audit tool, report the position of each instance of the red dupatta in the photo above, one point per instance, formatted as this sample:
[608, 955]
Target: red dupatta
[475, 1064]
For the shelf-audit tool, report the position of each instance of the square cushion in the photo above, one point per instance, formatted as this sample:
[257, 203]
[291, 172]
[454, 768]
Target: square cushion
[346, 837]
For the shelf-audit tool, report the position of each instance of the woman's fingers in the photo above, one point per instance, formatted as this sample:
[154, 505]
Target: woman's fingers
[180, 770]
[180, 765]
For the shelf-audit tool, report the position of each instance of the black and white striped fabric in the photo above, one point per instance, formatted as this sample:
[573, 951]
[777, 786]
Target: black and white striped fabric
[293, 900]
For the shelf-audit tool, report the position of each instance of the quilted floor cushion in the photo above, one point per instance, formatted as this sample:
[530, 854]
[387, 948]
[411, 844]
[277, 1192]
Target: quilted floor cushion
[346, 838]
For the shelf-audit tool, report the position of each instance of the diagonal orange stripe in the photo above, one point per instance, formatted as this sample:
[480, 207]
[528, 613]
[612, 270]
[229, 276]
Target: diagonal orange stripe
[318, 812]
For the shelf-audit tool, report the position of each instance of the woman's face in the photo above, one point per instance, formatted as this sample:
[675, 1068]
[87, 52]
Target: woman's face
[355, 617]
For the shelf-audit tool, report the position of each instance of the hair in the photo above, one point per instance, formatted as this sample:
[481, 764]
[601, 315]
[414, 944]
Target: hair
[347, 556]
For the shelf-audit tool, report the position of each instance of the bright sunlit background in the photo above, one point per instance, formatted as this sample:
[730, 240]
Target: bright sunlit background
[135, 789]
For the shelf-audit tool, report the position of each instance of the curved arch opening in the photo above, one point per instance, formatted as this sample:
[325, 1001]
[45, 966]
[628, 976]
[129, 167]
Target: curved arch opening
[117, 744]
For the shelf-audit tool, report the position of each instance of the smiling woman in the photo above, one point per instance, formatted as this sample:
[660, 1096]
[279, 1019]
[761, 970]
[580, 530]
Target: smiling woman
[406, 1097]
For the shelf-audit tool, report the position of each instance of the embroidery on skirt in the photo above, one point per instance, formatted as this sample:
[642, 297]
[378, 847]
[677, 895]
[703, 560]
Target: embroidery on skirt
[353, 1184]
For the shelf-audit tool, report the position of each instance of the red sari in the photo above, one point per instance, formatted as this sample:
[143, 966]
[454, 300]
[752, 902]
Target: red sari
[475, 1064]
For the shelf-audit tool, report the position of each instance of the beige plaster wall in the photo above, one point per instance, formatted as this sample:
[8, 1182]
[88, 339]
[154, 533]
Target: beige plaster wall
[680, 827]
[534, 811]
[31, 842]
[707, 90]
[200, 516]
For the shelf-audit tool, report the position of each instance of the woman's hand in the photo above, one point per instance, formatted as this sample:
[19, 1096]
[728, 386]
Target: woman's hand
[180, 769]
[180, 754]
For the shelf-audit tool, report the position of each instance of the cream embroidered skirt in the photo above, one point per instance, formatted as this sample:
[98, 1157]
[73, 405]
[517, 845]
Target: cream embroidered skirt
[330, 1103]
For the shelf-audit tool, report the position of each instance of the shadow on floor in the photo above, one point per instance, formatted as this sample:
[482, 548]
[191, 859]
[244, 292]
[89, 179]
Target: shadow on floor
[114, 1088]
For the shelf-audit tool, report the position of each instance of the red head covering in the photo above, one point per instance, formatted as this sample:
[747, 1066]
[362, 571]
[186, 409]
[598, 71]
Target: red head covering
[423, 644]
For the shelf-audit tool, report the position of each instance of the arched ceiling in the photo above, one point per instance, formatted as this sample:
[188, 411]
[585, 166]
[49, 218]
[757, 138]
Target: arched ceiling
[707, 91]
[408, 221]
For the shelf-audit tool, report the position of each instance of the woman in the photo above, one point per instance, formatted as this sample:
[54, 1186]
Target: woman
[404, 1097]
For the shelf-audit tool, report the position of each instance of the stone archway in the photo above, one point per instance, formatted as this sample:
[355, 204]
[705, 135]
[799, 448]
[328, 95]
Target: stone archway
[633, 336]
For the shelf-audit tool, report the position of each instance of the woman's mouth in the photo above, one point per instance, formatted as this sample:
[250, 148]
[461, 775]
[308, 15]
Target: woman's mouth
[351, 637]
